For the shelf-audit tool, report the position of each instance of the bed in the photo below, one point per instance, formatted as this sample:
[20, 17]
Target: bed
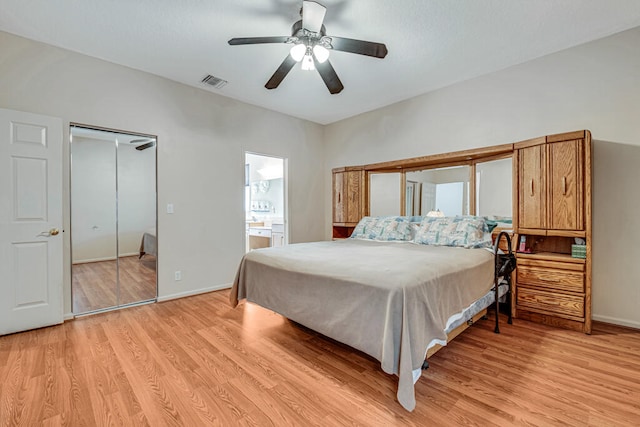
[149, 244]
[392, 300]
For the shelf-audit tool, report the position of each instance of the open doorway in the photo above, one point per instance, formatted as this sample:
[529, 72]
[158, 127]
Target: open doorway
[265, 201]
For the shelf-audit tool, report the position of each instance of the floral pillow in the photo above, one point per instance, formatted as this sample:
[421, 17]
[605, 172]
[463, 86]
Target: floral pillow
[387, 228]
[462, 231]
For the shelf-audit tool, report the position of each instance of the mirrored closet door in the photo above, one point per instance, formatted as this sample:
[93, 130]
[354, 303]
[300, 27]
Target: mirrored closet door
[113, 218]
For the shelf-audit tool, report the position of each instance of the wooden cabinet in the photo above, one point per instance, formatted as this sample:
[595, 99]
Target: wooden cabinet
[259, 237]
[277, 235]
[532, 187]
[550, 185]
[553, 207]
[349, 201]
[551, 287]
[565, 185]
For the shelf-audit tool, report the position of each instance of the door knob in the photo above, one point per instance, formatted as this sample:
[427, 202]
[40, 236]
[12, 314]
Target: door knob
[52, 232]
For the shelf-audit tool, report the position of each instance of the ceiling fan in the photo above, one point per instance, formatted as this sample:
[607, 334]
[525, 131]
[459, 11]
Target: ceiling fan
[148, 143]
[311, 47]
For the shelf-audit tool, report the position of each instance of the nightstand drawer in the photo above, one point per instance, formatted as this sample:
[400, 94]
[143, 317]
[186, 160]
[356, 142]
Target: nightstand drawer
[542, 301]
[551, 278]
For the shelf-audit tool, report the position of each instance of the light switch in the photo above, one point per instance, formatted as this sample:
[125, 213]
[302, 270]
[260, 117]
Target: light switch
[169, 208]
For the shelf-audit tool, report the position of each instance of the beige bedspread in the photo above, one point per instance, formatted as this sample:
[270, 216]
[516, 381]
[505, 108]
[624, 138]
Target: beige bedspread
[388, 300]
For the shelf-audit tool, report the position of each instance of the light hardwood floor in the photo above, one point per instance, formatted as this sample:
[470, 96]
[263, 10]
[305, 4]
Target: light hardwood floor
[94, 283]
[198, 362]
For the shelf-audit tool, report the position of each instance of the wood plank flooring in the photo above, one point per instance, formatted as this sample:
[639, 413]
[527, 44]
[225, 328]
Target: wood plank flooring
[198, 362]
[95, 286]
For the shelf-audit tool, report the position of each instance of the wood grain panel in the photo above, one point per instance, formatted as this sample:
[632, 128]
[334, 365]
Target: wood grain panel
[442, 159]
[567, 136]
[198, 362]
[354, 195]
[565, 186]
[95, 283]
[532, 187]
[553, 262]
[550, 302]
[551, 278]
[551, 320]
[338, 197]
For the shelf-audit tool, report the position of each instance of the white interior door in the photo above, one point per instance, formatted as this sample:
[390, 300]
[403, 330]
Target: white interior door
[30, 221]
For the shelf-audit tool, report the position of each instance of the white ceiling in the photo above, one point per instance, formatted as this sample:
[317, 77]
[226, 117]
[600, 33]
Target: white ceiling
[432, 43]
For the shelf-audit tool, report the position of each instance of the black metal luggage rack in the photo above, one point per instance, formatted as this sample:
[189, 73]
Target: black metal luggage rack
[505, 263]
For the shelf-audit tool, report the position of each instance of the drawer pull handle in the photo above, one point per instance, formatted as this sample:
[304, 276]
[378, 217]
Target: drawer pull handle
[564, 185]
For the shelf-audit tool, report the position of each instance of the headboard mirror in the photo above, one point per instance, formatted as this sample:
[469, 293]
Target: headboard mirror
[385, 196]
[494, 188]
[478, 184]
[438, 189]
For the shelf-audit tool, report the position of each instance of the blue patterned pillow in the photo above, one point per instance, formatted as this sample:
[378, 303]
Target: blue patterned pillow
[386, 228]
[463, 231]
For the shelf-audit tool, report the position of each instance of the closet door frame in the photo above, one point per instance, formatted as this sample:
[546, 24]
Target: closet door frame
[118, 304]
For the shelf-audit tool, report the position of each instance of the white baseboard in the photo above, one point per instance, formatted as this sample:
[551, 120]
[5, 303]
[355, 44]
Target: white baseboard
[68, 316]
[617, 321]
[194, 292]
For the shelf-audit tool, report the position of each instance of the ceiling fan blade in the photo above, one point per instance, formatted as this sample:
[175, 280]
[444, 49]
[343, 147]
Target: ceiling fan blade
[377, 50]
[281, 72]
[329, 76]
[258, 40]
[312, 16]
[145, 146]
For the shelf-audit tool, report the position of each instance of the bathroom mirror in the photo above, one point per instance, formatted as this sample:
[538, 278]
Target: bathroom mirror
[113, 218]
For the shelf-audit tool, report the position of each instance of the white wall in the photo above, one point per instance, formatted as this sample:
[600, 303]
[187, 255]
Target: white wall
[595, 86]
[202, 138]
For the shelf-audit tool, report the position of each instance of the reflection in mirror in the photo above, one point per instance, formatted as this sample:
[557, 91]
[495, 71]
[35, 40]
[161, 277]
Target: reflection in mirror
[493, 188]
[93, 223]
[113, 219]
[443, 189]
[384, 194]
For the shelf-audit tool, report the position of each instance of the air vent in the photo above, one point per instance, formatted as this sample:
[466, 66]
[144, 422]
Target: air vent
[216, 82]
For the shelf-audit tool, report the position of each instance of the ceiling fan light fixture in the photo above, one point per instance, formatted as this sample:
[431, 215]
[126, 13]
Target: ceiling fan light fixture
[321, 53]
[310, 45]
[307, 63]
[297, 52]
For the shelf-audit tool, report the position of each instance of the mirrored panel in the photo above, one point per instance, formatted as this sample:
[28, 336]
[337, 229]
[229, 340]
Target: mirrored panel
[384, 194]
[93, 223]
[113, 218]
[442, 189]
[494, 188]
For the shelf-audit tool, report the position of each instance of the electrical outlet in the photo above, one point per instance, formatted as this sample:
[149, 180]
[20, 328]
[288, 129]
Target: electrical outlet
[178, 275]
[170, 210]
